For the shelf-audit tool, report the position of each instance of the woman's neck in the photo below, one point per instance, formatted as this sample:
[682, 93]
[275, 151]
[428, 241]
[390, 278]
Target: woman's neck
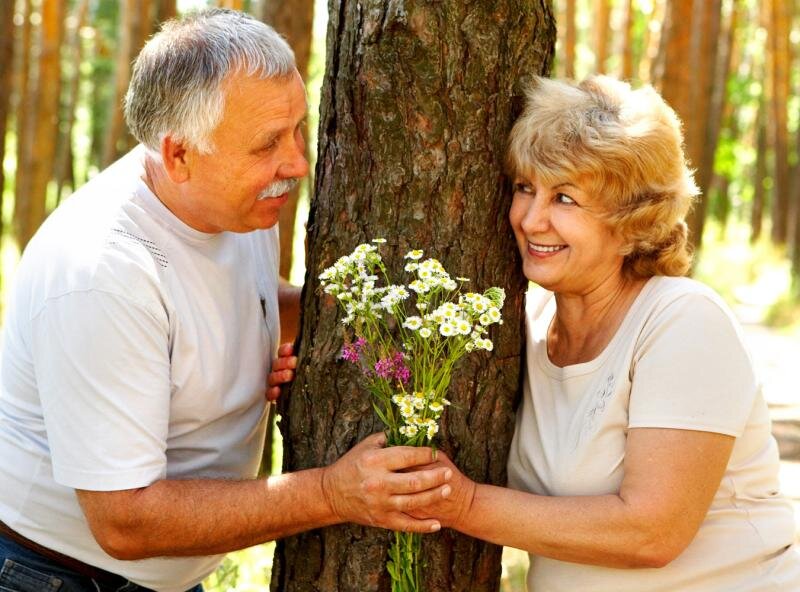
[584, 324]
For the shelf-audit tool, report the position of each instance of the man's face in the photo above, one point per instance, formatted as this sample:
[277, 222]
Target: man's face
[258, 142]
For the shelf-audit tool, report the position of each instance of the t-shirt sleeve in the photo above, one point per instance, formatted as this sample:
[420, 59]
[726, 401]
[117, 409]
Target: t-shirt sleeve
[691, 370]
[103, 375]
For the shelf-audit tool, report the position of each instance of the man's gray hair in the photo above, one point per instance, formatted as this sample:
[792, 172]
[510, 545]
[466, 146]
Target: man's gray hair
[175, 87]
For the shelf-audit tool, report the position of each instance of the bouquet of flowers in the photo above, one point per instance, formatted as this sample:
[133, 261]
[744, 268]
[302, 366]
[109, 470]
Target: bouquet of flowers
[407, 358]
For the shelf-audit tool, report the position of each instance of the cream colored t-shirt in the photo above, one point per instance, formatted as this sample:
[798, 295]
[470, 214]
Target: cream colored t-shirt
[677, 361]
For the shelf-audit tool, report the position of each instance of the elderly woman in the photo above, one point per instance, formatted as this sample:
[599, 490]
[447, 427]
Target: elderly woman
[642, 459]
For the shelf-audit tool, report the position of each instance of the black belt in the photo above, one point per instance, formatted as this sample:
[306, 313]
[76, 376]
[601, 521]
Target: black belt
[101, 576]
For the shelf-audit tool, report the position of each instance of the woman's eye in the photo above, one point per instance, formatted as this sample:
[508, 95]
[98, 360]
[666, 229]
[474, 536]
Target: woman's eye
[522, 188]
[564, 199]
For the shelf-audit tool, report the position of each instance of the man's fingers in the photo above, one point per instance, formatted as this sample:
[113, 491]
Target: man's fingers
[403, 483]
[286, 349]
[273, 393]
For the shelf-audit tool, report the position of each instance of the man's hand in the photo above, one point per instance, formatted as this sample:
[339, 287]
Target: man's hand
[282, 371]
[366, 487]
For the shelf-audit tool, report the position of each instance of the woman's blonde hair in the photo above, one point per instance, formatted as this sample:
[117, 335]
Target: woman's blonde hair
[625, 147]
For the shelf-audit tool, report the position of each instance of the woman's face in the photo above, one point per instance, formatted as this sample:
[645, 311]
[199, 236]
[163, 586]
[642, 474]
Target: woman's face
[565, 246]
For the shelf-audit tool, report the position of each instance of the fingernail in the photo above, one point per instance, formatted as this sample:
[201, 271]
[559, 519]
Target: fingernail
[447, 474]
[436, 527]
[446, 491]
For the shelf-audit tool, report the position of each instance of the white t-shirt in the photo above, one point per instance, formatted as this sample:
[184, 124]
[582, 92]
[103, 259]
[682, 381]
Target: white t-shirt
[135, 349]
[677, 361]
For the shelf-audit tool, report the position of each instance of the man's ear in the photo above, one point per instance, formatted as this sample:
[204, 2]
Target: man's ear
[175, 158]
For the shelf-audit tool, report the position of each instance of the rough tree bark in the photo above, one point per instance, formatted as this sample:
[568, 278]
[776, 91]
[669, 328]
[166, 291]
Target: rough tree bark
[417, 101]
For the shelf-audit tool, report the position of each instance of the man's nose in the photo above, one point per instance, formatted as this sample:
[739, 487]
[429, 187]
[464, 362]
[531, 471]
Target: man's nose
[295, 163]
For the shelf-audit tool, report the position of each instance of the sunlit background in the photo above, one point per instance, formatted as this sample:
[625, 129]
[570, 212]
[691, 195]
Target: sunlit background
[752, 271]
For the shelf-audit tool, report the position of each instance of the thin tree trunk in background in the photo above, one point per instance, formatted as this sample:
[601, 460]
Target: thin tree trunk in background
[45, 116]
[760, 173]
[293, 20]
[700, 120]
[6, 85]
[601, 27]
[650, 68]
[671, 75]
[570, 35]
[233, 4]
[780, 54]
[721, 111]
[627, 40]
[25, 98]
[417, 102]
[167, 9]
[122, 72]
[135, 23]
[74, 46]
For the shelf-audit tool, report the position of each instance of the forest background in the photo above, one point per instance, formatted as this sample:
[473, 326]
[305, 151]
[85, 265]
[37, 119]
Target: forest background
[730, 68]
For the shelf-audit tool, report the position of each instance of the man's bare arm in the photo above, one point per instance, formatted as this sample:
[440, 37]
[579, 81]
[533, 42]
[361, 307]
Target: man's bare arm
[205, 517]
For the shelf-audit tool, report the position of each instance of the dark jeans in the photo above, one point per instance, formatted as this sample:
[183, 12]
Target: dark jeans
[23, 570]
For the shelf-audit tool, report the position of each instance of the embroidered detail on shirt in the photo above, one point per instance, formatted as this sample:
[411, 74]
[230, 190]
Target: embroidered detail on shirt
[601, 398]
[157, 253]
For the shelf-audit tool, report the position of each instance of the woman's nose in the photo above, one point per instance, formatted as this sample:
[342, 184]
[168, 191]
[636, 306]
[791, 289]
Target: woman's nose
[537, 217]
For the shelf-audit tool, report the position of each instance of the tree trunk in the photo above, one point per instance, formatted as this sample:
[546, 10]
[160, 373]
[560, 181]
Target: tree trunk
[234, 4]
[417, 101]
[650, 65]
[780, 53]
[6, 80]
[627, 40]
[701, 122]
[26, 95]
[75, 47]
[570, 35]
[135, 24]
[293, 20]
[40, 154]
[670, 74]
[760, 173]
[602, 25]
[167, 9]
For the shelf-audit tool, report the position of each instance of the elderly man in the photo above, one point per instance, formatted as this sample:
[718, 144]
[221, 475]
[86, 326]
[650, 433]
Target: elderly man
[139, 340]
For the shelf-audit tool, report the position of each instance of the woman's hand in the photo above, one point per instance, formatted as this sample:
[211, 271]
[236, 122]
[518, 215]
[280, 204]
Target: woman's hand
[454, 505]
[282, 371]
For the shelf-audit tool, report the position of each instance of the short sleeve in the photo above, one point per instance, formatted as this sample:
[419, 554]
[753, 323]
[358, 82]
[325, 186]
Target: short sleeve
[691, 370]
[103, 374]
